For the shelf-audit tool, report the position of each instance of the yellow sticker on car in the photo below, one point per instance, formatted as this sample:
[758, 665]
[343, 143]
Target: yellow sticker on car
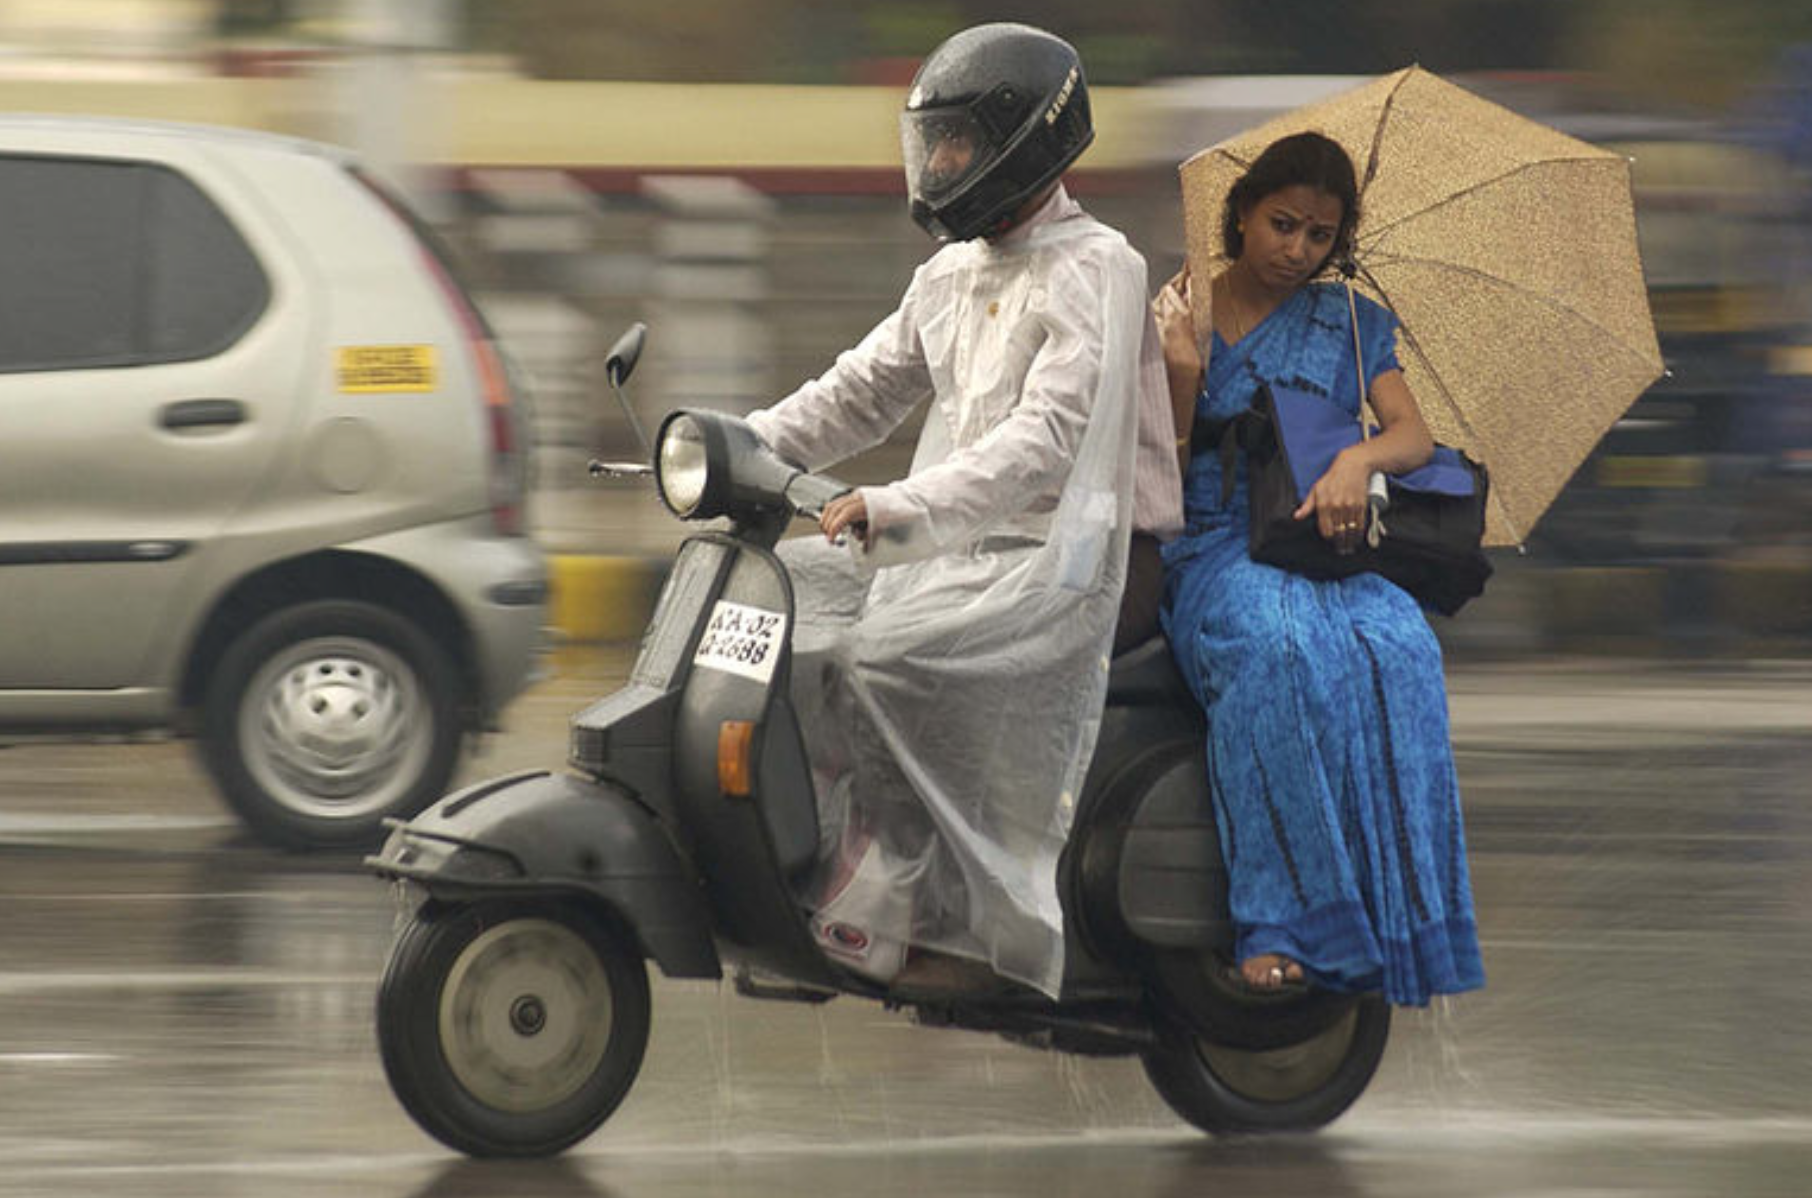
[368, 369]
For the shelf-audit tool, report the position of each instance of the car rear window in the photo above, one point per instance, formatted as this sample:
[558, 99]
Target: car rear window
[431, 243]
[112, 263]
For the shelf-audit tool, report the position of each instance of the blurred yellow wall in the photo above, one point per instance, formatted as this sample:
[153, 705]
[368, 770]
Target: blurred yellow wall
[501, 121]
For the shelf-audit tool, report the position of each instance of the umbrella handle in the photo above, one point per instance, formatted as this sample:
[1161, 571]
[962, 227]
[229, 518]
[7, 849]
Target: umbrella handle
[1377, 492]
[1377, 502]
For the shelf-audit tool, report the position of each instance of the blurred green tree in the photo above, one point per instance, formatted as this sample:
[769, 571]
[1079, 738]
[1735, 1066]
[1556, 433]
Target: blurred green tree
[726, 41]
[244, 17]
[1697, 50]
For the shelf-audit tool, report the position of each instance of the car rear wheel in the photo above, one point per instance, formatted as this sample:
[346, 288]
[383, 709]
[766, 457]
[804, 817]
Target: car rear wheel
[323, 719]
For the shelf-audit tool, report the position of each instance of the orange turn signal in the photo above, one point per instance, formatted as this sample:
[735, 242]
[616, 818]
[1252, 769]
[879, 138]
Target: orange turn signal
[736, 758]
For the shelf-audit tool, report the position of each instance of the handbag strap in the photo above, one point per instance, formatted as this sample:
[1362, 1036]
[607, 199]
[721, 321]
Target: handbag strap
[1241, 432]
[1352, 309]
[1377, 495]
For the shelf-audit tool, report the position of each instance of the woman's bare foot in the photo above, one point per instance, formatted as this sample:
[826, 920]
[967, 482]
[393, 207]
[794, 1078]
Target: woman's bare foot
[1270, 971]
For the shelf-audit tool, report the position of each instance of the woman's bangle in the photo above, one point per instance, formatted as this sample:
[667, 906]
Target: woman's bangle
[1183, 441]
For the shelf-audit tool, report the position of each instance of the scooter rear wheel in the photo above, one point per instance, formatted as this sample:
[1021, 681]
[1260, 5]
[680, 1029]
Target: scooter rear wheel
[512, 1027]
[1298, 1087]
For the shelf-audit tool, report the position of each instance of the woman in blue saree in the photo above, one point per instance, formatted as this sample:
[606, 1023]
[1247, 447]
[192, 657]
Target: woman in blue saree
[1328, 741]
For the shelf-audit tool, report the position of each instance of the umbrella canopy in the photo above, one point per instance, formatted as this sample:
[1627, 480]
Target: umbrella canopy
[1508, 252]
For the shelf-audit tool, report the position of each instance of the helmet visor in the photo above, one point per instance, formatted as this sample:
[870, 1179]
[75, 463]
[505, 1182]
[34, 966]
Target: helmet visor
[943, 148]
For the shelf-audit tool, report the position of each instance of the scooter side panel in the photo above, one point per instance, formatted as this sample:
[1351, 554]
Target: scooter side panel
[541, 832]
[1144, 868]
[626, 739]
[1172, 881]
[750, 849]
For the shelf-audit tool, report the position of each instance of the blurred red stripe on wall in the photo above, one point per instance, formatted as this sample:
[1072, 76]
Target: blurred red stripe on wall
[794, 181]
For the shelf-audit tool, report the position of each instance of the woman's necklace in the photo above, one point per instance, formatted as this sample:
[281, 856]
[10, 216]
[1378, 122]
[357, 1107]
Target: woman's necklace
[1239, 326]
[1236, 306]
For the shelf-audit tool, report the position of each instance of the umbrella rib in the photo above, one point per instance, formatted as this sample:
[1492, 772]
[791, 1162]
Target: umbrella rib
[1415, 346]
[1473, 438]
[1446, 394]
[1374, 232]
[1371, 160]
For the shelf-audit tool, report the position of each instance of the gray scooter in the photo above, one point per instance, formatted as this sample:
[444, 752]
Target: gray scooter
[515, 1007]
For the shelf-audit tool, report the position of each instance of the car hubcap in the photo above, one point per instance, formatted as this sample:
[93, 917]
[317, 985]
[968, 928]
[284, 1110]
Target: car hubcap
[525, 1015]
[336, 728]
[1283, 1074]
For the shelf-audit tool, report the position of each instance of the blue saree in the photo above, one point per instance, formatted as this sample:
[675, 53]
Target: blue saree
[1334, 783]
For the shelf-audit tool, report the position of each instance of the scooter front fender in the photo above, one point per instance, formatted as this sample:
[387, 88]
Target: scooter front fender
[540, 832]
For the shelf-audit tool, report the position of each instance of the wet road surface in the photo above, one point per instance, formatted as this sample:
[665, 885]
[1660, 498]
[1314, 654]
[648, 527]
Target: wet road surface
[183, 1012]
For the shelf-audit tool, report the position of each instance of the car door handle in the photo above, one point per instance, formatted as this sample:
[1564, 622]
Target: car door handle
[201, 413]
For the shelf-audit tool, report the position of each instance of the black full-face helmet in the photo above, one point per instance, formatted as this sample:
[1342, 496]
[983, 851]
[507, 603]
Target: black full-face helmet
[995, 114]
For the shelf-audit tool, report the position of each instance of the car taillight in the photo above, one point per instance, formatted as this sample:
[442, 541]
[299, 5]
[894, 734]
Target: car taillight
[506, 460]
[499, 413]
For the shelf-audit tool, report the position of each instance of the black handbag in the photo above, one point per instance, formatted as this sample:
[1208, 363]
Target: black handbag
[1427, 537]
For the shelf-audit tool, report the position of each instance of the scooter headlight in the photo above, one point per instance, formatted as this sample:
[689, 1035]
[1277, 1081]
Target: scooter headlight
[682, 465]
[709, 464]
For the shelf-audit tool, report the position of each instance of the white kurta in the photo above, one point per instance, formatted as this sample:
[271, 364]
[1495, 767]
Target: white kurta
[950, 704]
[1011, 349]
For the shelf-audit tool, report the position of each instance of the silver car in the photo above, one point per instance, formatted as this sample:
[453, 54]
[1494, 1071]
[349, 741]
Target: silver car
[262, 467]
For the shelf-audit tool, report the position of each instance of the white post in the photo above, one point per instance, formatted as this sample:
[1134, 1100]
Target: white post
[385, 90]
[710, 290]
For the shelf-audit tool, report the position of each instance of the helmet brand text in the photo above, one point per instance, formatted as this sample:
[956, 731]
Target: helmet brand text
[1063, 97]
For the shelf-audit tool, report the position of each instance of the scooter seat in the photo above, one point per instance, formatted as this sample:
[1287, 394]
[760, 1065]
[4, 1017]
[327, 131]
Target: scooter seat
[1146, 674]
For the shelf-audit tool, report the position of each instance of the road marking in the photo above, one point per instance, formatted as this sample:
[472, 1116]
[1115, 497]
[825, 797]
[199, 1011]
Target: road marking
[17, 822]
[43, 982]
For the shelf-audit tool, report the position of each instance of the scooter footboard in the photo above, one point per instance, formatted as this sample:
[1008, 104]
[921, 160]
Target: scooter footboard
[539, 832]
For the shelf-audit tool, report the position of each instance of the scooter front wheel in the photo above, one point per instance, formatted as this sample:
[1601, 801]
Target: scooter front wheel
[1296, 1087]
[512, 1027]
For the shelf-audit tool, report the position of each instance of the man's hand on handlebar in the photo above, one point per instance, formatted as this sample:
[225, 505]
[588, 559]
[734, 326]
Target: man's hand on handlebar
[844, 516]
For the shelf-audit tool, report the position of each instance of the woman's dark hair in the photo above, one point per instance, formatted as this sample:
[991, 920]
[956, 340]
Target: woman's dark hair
[1310, 159]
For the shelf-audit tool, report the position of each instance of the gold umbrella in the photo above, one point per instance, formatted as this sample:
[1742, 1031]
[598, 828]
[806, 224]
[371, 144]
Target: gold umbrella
[1508, 252]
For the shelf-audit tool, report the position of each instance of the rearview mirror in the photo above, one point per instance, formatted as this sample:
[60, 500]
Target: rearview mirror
[623, 355]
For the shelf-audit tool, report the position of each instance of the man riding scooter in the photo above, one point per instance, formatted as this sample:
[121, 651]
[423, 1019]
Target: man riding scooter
[918, 743]
[958, 664]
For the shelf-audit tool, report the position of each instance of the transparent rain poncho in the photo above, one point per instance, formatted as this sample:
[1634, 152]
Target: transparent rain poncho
[950, 679]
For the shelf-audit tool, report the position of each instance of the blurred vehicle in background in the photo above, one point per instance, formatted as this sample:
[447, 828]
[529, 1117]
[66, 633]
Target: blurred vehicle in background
[1702, 462]
[265, 467]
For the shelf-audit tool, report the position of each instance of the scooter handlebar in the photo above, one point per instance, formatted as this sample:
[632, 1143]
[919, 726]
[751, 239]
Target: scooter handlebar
[809, 493]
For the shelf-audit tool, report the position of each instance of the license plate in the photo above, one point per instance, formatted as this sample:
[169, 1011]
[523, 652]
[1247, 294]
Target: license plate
[741, 640]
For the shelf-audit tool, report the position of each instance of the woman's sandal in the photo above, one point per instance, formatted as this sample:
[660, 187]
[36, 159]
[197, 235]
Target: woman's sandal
[1281, 976]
